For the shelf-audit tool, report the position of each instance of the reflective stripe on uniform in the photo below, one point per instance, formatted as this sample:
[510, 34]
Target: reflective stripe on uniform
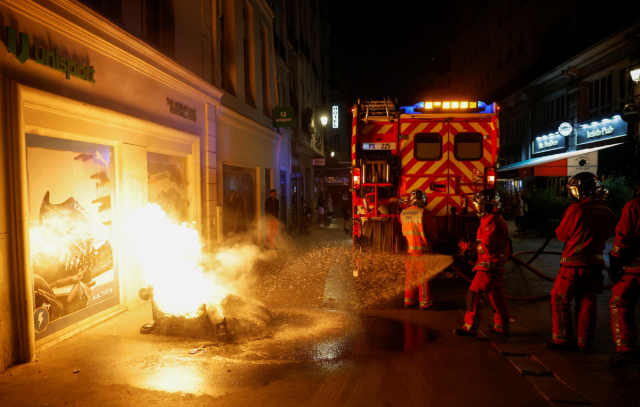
[469, 328]
[584, 257]
[423, 248]
[614, 315]
[582, 341]
[504, 328]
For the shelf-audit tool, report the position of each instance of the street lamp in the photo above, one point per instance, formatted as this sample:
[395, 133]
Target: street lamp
[635, 74]
[333, 153]
[324, 119]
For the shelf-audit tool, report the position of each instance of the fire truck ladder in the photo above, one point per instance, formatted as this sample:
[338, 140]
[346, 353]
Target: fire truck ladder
[378, 108]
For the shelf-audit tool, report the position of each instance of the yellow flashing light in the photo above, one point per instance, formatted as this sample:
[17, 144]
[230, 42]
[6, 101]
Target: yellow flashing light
[446, 105]
[437, 104]
[428, 105]
[455, 105]
[464, 105]
[473, 105]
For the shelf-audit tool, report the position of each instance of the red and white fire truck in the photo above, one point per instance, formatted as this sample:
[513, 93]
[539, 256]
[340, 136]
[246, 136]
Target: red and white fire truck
[448, 149]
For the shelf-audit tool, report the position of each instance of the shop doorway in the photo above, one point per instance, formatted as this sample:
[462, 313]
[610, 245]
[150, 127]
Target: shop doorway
[239, 200]
[283, 198]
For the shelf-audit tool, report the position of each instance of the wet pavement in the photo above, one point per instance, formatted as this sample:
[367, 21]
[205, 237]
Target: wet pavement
[334, 341]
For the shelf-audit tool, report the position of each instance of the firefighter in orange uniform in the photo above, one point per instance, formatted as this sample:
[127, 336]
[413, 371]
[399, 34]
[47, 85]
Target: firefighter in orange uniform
[419, 229]
[624, 270]
[492, 246]
[585, 227]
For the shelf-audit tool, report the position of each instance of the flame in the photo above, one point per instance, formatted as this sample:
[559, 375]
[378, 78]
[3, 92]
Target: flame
[170, 256]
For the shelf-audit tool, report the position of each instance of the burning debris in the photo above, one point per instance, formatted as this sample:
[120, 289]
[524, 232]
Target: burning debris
[190, 296]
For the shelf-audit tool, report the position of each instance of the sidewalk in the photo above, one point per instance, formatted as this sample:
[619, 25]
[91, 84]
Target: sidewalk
[589, 377]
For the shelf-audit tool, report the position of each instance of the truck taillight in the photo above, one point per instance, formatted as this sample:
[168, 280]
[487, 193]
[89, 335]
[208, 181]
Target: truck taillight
[356, 178]
[491, 177]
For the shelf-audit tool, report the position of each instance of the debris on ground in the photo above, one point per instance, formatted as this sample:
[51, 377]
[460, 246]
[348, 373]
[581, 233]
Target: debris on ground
[76, 371]
[199, 350]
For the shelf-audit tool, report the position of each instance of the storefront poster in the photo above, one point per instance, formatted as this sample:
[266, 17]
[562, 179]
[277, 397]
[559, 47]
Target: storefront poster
[71, 203]
[582, 163]
[604, 130]
[167, 184]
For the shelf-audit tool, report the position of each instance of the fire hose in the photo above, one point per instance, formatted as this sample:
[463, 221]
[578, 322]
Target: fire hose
[527, 266]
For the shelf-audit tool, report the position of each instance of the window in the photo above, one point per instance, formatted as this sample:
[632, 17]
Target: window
[158, 26]
[467, 146]
[249, 56]
[427, 146]
[109, 8]
[335, 143]
[554, 111]
[264, 61]
[601, 96]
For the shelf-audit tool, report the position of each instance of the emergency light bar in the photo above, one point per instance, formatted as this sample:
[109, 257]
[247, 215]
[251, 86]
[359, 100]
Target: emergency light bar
[449, 106]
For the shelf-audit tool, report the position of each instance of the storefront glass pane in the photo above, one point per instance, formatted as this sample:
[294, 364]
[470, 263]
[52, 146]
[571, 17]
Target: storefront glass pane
[168, 185]
[71, 203]
[239, 199]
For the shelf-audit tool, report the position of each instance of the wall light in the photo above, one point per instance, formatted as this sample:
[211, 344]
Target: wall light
[333, 153]
[324, 121]
[635, 74]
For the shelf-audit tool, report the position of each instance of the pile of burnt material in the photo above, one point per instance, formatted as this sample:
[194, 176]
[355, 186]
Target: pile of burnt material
[235, 318]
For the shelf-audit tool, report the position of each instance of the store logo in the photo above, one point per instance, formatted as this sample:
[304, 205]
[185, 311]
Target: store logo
[547, 144]
[565, 129]
[605, 131]
[42, 56]
[283, 113]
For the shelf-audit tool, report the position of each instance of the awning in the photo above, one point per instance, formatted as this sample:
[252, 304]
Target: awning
[556, 165]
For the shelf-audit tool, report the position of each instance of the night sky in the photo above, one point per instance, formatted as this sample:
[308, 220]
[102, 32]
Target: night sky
[384, 50]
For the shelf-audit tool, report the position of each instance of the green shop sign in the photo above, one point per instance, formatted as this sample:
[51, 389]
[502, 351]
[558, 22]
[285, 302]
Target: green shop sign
[46, 57]
[283, 117]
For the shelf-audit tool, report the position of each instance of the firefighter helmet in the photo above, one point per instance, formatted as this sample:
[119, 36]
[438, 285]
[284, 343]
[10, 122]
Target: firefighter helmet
[418, 198]
[486, 201]
[586, 185]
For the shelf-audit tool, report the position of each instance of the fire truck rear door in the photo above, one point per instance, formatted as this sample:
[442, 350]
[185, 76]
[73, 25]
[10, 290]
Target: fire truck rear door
[470, 152]
[424, 161]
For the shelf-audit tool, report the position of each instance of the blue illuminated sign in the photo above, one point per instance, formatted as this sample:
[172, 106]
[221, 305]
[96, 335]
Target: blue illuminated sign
[601, 130]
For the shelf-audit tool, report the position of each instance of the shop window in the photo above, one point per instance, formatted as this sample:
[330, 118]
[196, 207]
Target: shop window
[111, 9]
[467, 146]
[168, 184]
[239, 199]
[427, 146]
[71, 213]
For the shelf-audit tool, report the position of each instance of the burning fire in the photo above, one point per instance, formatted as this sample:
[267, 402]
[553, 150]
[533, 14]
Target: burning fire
[170, 257]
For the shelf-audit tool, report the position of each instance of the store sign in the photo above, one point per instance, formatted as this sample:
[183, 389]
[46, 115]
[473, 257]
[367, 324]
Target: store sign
[46, 57]
[603, 130]
[283, 117]
[631, 113]
[582, 163]
[334, 115]
[565, 129]
[318, 161]
[182, 110]
[550, 142]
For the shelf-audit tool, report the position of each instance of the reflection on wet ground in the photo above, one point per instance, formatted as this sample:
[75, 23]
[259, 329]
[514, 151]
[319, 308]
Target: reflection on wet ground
[315, 335]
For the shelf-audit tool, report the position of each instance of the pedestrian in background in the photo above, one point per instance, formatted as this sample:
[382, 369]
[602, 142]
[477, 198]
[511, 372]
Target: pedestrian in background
[329, 206]
[585, 227]
[345, 207]
[519, 214]
[624, 271]
[321, 208]
[271, 211]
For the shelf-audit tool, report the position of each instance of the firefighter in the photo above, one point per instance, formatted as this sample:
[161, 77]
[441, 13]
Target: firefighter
[492, 245]
[419, 229]
[624, 270]
[585, 227]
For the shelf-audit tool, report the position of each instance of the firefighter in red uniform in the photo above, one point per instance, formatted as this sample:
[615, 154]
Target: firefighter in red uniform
[624, 270]
[492, 246]
[419, 229]
[584, 229]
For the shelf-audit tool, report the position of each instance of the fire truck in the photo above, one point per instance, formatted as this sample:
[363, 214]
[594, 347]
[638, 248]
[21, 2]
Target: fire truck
[448, 149]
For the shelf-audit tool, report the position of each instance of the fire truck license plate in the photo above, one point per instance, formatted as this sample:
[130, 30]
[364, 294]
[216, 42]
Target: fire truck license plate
[378, 146]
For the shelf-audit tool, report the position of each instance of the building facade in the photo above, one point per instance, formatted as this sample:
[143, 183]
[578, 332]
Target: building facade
[111, 105]
[548, 64]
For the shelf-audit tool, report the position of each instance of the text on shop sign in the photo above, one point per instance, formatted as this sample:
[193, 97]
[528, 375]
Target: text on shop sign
[181, 110]
[600, 132]
[547, 144]
[46, 57]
